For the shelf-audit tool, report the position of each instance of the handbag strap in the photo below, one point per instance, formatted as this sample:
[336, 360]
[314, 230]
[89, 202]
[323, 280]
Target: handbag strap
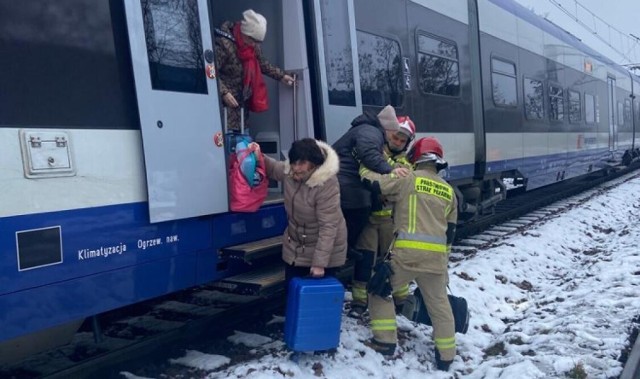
[245, 153]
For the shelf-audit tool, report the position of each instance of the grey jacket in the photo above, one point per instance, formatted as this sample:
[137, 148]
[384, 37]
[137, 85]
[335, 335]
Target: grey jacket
[316, 234]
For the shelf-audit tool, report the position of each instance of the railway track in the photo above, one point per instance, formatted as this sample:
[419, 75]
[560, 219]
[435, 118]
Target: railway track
[147, 331]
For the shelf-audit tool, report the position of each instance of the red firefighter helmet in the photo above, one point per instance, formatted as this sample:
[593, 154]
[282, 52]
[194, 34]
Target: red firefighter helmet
[425, 146]
[407, 127]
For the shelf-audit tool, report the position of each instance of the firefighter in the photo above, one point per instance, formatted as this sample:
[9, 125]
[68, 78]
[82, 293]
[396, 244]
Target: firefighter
[375, 239]
[425, 216]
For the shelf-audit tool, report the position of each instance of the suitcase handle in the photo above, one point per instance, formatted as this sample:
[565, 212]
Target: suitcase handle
[226, 120]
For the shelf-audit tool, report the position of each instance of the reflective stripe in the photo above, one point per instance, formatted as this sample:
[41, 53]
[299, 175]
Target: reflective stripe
[363, 170]
[402, 291]
[446, 343]
[412, 213]
[385, 324]
[432, 187]
[422, 238]
[417, 245]
[359, 293]
[384, 212]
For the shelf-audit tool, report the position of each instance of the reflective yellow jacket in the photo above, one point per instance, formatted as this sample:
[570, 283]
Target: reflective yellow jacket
[424, 217]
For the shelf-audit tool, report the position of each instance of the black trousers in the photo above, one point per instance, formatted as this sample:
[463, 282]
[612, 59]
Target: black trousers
[357, 219]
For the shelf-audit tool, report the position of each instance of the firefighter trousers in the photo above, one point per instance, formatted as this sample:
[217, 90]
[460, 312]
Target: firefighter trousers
[373, 244]
[434, 293]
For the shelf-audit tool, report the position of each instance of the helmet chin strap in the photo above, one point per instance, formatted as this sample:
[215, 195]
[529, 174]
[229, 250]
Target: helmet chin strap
[398, 151]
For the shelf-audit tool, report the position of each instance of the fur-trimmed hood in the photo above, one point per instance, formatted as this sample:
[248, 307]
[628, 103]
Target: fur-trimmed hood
[329, 168]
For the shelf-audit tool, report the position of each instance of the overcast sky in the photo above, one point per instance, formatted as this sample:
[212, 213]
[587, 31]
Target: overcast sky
[622, 14]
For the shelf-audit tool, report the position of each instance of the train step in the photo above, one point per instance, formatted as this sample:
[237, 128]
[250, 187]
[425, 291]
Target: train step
[253, 250]
[260, 282]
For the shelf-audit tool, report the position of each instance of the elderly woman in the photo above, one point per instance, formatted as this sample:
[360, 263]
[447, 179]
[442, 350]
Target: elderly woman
[315, 241]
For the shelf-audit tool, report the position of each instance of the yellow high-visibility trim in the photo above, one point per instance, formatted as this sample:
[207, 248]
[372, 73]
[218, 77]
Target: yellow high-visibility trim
[445, 343]
[404, 290]
[412, 213]
[384, 212]
[432, 187]
[359, 293]
[417, 245]
[384, 324]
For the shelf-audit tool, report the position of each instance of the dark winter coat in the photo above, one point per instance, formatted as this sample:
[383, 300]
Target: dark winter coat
[362, 143]
[229, 66]
[316, 233]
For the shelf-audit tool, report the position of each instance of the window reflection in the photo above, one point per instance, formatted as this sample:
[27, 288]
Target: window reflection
[533, 99]
[174, 45]
[589, 109]
[337, 52]
[503, 80]
[556, 103]
[381, 80]
[575, 110]
[438, 67]
[627, 113]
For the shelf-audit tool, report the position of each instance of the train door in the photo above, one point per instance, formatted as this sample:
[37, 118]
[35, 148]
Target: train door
[611, 100]
[171, 50]
[335, 33]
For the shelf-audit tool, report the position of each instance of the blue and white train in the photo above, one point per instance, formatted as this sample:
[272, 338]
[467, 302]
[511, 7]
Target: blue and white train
[112, 179]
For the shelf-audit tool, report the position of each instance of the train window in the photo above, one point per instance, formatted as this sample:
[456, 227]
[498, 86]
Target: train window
[627, 112]
[381, 79]
[503, 82]
[533, 99]
[621, 119]
[174, 45]
[575, 108]
[438, 66]
[67, 65]
[556, 103]
[338, 60]
[589, 109]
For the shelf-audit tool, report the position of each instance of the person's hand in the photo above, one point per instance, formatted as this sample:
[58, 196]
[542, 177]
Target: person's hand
[229, 100]
[401, 171]
[316, 272]
[254, 146]
[288, 80]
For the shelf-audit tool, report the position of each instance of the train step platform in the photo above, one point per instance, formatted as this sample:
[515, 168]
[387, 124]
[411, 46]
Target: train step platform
[254, 250]
[263, 281]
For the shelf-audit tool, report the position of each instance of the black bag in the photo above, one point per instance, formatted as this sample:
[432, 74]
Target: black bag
[380, 282]
[458, 306]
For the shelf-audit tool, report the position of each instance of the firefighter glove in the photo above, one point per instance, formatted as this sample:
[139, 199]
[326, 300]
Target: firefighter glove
[380, 282]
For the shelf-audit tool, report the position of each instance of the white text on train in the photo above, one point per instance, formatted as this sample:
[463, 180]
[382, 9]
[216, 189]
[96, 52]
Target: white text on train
[101, 252]
[143, 244]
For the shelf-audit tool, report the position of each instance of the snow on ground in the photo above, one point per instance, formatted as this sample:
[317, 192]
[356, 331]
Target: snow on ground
[554, 301]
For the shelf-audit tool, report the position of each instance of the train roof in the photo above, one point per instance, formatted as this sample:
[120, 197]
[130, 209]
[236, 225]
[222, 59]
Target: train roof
[521, 12]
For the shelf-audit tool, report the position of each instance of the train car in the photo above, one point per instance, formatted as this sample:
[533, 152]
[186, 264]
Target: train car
[114, 183]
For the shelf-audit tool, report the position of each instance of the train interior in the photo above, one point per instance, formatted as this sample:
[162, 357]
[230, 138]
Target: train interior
[287, 118]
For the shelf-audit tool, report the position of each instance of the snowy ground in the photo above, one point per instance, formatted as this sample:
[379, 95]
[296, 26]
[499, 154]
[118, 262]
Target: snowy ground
[555, 301]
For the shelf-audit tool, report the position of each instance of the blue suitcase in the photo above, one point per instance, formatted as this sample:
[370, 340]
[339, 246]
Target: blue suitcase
[314, 313]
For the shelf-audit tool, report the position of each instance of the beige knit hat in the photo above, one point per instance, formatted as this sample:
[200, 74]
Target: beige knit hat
[388, 120]
[253, 25]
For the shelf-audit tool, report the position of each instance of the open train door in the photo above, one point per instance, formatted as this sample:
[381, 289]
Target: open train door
[337, 65]
[172, 56]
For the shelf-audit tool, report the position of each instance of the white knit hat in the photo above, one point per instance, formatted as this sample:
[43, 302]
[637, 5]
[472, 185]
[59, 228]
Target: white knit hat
[388, 120]
[253, 25]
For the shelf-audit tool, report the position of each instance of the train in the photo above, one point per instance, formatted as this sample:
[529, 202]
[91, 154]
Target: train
[112, 171]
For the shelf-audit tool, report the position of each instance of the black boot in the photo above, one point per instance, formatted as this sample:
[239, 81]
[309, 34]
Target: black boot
[386, 349]
[440, 364]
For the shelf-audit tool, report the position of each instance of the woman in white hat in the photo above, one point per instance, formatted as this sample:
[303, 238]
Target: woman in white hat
[240, 66]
